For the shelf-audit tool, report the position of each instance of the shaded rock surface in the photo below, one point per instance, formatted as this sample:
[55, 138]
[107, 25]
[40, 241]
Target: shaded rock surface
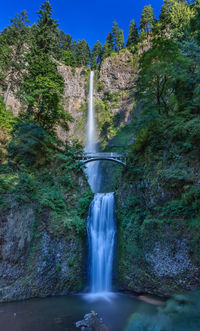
[39, 256]
[154, 256]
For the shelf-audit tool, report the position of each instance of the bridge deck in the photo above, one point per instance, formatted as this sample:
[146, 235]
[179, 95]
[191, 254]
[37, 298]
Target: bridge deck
[115, 157]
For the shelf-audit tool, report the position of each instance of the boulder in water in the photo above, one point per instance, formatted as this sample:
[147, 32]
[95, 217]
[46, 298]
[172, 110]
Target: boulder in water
[92, 322]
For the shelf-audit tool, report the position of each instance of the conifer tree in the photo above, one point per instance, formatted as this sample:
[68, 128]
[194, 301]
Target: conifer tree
[176, 16]
[65, 41]
[96, 55]
[165, 12]
[43, 86]
[6, 55]
[147, 19]
[83, 54]
[195, 21]
[132, 36]
[118, 37]
[16, 37]
[108, 47]
[47, 36]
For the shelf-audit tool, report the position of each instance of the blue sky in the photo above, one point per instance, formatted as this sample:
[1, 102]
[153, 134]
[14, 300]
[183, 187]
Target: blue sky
[83, 19]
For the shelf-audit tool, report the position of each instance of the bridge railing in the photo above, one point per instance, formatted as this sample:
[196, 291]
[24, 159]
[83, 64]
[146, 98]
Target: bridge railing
[102, 154]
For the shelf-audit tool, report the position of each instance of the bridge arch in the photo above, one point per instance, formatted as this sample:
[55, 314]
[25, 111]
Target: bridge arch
[98, 156]
[103, 159]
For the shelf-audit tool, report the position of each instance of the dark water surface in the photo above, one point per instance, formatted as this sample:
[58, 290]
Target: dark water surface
[60, 313]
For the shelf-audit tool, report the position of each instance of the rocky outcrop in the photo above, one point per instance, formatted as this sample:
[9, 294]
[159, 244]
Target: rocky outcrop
[91, 322]
[39, 255]
[117, 72]
[74, 99]
[155, 255]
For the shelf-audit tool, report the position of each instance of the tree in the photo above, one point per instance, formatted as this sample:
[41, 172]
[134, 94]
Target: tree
[118, 37]
[96, 55]
[65, 41]
[195, 21]
[108, 47]
[6, 55]
[47, 33]
[83, 53]
[181, 14]
[43, 86]
[68, 58]
[132, 36]
[156, 81]
[147, 19]
[65, 52]
[16, 37]
[176, 16]
[165, 18]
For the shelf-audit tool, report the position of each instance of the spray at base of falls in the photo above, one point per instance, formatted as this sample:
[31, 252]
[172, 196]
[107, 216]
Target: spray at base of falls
[101, 221]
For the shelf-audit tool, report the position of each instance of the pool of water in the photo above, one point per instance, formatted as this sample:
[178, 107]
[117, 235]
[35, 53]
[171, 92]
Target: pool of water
[61, 313]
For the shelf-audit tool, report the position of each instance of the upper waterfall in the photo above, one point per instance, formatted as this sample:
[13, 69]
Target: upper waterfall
[91, 139]
[92, 170]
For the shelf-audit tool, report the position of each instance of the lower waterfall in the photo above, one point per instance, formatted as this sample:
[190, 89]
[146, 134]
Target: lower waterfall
[101, 234]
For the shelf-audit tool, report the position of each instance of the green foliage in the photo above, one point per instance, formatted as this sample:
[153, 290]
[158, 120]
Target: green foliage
[46, 34]
[106, 120]
[68, 58]
[108, 47]
[96, 56]
[14, 39]
[180, 16]
[180, 313]
[118, 37]
[65, 41]
[132, 36]
[43, 86]
[7, 120]
[5, 60]
[82, 52]
[30, 145]
[147, 19]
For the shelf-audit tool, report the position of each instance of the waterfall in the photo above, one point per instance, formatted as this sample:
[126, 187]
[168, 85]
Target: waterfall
[101, 221]
[91, 140]
[101, 235]
[92, 169]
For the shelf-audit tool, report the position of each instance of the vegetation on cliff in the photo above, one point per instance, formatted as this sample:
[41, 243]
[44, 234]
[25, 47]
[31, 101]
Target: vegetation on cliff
[44, 198]
[159, 192]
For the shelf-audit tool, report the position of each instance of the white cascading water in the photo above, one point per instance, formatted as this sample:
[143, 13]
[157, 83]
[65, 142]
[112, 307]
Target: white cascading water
[101, 235]
[101, 221]
[92, 169]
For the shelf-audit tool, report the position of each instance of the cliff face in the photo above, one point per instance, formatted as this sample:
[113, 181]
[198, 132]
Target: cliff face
[115, 94]
[156, 254]
[113, 89]
[41, 254]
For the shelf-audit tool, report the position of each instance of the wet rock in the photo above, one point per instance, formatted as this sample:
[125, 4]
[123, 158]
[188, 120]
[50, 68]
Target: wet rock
[92, 322]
